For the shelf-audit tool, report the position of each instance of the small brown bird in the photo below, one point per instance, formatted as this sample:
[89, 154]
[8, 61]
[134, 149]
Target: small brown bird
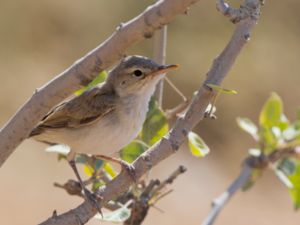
[107, 117]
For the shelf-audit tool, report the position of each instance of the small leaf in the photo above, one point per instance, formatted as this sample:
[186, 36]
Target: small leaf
[271, 112]
[81, 158]
[88, 170]
[221, 90]
[255, 152]
[97, 184]
[197, 146]
[133, 150]
[118, 216]
[287, 166]
[155, 125]
[247, 125]
[283, 123]
[210, 109]
[109, 170]
[284, 178]
[98, 164]
[61, 149]
[61, 157]
[291, 133]
[268, 140]
[99, 79]
[295, 180]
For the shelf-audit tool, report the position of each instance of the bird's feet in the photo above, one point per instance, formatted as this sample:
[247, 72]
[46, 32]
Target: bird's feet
[124, 165]
[93, 199]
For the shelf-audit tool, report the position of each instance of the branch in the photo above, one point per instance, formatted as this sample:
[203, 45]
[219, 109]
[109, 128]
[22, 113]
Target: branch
[252, 162]
[150, 195]
[171, 142]
[85, 69]
[220, 202]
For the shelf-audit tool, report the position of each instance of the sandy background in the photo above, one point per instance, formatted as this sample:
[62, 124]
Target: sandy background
[39, 39]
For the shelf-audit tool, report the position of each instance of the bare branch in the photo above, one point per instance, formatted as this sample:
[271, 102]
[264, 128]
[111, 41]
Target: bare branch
[262, 162]
[220, 202]
[171, 178]
[236, 15]
[151, 194]
[85, 69]
[171, 143]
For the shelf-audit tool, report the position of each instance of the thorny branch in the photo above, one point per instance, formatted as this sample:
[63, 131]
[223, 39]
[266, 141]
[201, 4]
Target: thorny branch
[171, 142]
[140, 205]
[151, 194]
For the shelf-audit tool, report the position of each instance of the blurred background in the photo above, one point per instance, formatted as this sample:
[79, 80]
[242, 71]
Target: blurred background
[39, 39]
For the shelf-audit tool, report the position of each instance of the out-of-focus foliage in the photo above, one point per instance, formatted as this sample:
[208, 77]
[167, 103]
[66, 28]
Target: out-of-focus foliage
[197, 146]
[155, 126]
[276, 133]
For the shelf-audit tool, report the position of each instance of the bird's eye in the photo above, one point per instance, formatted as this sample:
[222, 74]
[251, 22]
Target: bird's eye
[137, 73]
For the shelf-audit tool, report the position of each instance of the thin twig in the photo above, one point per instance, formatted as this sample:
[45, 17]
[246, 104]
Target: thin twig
[176, 89]
[220, 202]
[159, 55]
[261, 162]
[171, 178]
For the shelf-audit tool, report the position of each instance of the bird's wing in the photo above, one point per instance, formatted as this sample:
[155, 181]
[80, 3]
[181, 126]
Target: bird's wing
[78, 111]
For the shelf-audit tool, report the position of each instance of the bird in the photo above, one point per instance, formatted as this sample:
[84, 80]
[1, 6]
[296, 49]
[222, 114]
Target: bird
[107, 117]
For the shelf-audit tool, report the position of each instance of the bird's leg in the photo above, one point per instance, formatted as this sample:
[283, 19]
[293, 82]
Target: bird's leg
[124, 165]
[87, 194]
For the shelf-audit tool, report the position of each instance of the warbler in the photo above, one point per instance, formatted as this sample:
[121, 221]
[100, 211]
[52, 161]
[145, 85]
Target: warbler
[107, 117]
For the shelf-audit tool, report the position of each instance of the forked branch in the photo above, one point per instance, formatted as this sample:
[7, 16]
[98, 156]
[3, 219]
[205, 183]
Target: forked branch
[171, 143]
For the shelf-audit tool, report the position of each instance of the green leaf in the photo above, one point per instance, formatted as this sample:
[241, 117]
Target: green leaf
[109, 170]
[118, 216]
[284, 178]
[133, 150]
[283, 123]
[82, 158]
[99, 79]
[247, 125]
[221, 90]
[88, 170]
[287, 166]
[197, 146]
[155, 125]
[97, 184]
[271, 112]
[291, 168]
[291, 133]
[268, 140]
[61, 157]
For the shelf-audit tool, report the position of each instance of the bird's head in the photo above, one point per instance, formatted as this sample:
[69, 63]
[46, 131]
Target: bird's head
[137, 74]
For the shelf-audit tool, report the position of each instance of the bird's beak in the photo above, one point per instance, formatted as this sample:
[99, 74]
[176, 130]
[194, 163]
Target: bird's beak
[164, 69]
